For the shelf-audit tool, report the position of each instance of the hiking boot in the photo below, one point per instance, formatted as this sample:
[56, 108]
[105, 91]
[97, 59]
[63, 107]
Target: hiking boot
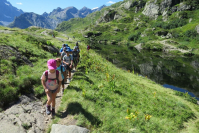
[48, 112]
[53, 112]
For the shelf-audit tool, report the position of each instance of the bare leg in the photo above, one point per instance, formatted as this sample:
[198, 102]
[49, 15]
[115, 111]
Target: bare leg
[49, 98]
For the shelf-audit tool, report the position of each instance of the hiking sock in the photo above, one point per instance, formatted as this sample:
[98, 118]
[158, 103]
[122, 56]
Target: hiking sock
[48, 109]
[62, 92]
[53, 111]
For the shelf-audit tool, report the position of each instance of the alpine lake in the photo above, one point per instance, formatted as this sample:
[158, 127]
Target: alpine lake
[175, 71]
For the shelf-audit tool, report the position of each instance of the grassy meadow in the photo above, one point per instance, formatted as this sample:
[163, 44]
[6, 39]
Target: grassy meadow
[104, 98]
[18, 77]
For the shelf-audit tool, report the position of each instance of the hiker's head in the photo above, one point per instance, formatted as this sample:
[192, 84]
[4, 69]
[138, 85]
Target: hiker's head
[75, 48]
[52, 66]
[66, 51]
[63, 45]
[58, 62]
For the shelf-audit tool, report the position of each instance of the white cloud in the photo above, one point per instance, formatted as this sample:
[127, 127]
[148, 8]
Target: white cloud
[95, 8]
[111, 2]
[19, 3]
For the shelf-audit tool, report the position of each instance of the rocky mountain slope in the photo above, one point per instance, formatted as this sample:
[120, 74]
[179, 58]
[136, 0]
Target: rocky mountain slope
[52, 19]
[8, 12]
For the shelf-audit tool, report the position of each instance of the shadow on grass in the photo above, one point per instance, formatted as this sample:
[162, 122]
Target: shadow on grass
[76, 108]
[74, 87]
[80, 75]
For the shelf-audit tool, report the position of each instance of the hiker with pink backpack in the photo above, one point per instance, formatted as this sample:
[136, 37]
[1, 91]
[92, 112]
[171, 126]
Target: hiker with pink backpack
[51, 82]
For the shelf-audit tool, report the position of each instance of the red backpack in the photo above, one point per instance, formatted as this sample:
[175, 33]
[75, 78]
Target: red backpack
[57, 76]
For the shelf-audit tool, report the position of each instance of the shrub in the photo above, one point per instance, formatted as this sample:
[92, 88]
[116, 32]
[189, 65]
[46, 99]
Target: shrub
[183, 47]
[171, 25]
[191, 33]
[134, 36]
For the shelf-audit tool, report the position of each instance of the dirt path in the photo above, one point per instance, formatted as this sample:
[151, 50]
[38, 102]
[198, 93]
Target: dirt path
[170, 47]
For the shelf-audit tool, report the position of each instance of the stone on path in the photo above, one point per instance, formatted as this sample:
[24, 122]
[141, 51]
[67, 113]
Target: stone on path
[57, 128]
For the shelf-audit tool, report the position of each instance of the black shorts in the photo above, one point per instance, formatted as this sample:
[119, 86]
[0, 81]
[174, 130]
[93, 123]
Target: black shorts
[68, 68]
[53, 91]
[75, 60]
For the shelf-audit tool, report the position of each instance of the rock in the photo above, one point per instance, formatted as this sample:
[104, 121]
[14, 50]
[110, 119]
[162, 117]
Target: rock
[198, 102]
[139, 47]
[129, 4]
[50, 49]
[108, 16]
[151, 10]
[56, 128]
[190, 20]
[22, 118]
[27, 119]
[7, 127]
[197, 29]
[183, 7]
[15, 110]
[116, 29]
[169, 35]
[35, 130]
[8, 51]
[40, 121]
[24, 99]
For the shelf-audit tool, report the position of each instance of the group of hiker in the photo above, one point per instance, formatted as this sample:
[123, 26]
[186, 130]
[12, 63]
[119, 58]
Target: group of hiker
[56, 75]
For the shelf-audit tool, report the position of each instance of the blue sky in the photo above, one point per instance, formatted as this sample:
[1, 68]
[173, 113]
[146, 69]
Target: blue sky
[41, 6]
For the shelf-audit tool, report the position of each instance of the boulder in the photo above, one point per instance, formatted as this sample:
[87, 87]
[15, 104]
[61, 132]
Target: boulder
[6, 52]
[24, 116]
[57, 128]
[129, 4]
[151, 10]
[139, 47]
[197, 29]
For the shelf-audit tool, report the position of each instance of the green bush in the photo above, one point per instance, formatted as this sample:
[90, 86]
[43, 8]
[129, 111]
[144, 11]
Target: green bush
[134, 37]
[186, 96]
[171, 25]
[183, 46]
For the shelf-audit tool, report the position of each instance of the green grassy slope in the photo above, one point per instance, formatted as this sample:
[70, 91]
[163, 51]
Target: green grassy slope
[100, 94]
[17, 77]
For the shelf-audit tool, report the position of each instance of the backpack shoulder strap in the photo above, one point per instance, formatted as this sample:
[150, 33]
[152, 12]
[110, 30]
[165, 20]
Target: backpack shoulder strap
[57, 76]
[61, 69]
[46, 74]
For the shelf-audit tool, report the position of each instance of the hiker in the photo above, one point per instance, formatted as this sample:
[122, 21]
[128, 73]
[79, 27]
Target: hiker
[88, 47]
[68, 62]
[63, 46]
[51, 82]
[62, 70]
[75, 56]
[69, 49]
[53, 35]
[77, 46]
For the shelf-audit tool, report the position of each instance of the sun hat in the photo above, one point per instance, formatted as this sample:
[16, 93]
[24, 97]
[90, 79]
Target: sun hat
[66, 50]
[52, 64]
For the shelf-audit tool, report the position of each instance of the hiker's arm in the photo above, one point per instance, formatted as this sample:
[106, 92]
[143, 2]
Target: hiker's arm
[59, 87]
[44, 85]
[65, 62]
[71, 63]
